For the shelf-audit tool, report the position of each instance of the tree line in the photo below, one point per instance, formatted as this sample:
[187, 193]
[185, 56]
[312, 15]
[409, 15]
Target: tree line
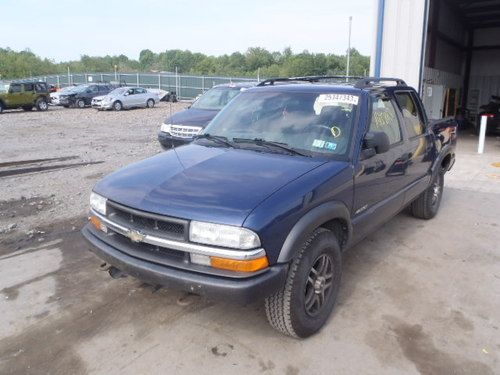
[256, 60]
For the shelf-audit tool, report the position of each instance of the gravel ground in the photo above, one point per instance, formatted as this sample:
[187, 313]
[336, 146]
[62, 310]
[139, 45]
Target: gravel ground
[417, 297]
[85, 144]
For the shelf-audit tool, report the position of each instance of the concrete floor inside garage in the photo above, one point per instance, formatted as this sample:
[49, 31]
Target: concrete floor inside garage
[416, 296]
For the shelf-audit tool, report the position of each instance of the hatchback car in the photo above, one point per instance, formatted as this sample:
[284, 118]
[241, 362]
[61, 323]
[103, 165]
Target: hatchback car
[126, 97]
[181, 127]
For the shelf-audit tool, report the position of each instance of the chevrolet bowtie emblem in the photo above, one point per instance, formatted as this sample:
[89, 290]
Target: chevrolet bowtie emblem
[135, 236]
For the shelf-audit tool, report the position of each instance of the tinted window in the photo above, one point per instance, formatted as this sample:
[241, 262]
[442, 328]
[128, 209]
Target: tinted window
[413, 122]
[28, 87]
[15, 88]
[317, 123]
[40, 87]
[103, 88]
[93, 88]
[140, 90]
[384, 119]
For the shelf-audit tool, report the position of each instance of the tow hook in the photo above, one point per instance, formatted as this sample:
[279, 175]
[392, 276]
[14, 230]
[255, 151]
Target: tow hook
[115, 273]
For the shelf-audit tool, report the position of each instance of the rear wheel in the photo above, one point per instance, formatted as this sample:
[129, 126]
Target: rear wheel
[426, 206]
[80, 103]
[150, 103]
[117, 106]
[41, 104]
[306, 301]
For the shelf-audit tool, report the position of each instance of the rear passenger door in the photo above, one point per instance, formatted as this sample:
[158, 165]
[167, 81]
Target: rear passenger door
[380, 179]
[419, 142]
[15, 97]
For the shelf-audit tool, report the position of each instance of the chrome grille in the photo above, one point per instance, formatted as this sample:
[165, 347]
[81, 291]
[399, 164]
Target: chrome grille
[182, 131]
[148, 223]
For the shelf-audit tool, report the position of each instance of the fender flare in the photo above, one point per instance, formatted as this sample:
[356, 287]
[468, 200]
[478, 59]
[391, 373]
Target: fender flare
[309, 222]
[436, 165]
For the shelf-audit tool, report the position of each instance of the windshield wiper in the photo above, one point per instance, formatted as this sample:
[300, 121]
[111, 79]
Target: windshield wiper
[263, 142]
[216, 138]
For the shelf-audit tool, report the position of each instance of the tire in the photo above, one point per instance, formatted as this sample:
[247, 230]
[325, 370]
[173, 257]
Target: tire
[1, 107]
[426, 206]
[150, 103]
[117, 106]
[80, 103]
[27, 108]
[287, 310]
[41, 105]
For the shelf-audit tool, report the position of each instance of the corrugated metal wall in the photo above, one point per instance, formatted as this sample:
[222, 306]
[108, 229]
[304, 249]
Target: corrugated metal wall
[402, 39]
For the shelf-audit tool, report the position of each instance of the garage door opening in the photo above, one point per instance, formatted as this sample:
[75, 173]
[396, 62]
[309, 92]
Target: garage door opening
[461, 75]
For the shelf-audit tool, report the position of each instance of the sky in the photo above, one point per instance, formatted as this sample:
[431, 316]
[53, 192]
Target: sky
[66, 29]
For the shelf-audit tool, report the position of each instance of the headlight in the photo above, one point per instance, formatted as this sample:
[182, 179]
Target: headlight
[166, 128]
[98, 203]
[223, 235]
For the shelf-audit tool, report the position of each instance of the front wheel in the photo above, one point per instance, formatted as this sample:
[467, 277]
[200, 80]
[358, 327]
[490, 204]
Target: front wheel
[80, 103]
[426, 206]
[150, 103]
[117, 106]
[41, 104]
[306, 301]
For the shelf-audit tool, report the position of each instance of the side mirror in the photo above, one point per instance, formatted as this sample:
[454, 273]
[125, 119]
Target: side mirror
[126, 93]
[378, 141]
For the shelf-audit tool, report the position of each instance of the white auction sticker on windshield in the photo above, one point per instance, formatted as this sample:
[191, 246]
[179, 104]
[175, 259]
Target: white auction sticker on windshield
[326, 100]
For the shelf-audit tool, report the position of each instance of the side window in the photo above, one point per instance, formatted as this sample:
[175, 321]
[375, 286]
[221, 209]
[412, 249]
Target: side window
[28, 87]
[15, 88]
[140, 90]
[413, 121]
[103, 88]
[384, 119]
[40, 87]
[93, 88]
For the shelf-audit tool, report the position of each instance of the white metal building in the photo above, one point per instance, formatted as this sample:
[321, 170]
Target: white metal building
[449, 50]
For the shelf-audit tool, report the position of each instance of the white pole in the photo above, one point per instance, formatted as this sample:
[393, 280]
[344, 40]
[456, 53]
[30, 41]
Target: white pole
[159, 81]
[482, 134]
[69, 82]
[137, 79]
[258, 74]
[348, 51]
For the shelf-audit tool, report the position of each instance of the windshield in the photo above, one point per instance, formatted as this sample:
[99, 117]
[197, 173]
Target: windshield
[118, 91]
[4, 87]
[216, 98]
[314, 123]
[78, 89]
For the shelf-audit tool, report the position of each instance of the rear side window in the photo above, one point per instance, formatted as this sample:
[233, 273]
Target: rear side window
[15, 88]
[384, 119]
[28, 87]
[413, 121]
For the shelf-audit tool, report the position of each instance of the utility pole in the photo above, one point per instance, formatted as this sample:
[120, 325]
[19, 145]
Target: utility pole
[348, 51]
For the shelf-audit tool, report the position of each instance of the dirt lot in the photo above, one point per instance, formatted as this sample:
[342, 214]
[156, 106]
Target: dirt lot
[417, 296]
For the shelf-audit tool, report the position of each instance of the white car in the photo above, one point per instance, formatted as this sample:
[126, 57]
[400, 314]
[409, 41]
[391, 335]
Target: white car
[126, 97]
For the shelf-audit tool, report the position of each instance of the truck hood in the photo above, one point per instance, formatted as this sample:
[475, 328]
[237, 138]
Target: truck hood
[192, 116]
[195, 182]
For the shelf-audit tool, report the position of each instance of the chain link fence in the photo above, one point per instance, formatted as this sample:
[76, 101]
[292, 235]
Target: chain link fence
[186, 86]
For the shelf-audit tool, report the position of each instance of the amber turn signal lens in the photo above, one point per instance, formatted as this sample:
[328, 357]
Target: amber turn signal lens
[96, 222]
[251, 265]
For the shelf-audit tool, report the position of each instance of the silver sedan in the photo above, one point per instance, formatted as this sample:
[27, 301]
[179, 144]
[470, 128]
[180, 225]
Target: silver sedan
[126, 97]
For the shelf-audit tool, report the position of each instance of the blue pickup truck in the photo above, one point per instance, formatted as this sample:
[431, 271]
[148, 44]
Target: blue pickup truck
[264, 202]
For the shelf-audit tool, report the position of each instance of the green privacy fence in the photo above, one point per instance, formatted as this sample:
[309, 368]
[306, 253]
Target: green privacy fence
[186, 86]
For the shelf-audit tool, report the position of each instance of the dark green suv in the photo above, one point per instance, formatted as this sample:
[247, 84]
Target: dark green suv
[25, 95]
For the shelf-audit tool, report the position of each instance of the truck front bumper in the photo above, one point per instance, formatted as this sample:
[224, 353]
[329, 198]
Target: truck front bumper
[239, 290]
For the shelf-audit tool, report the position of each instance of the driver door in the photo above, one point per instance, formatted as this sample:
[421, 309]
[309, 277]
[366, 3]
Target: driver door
[379, 179]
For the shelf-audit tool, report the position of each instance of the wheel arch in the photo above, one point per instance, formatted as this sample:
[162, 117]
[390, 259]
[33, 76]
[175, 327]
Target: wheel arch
[332, 215]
